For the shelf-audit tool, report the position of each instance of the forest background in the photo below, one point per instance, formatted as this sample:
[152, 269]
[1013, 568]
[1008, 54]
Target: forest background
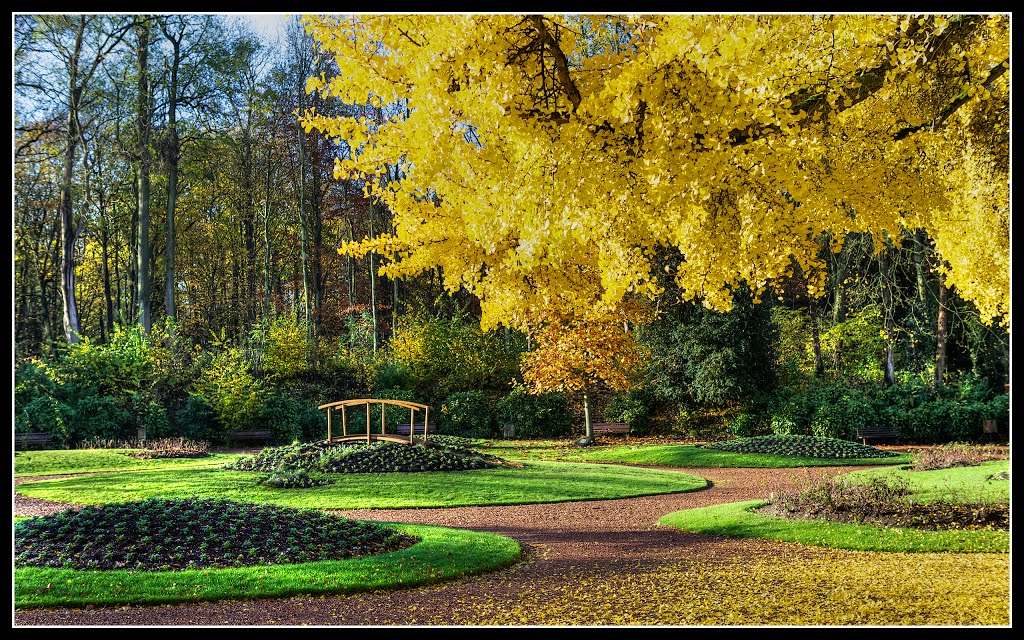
[177, 269]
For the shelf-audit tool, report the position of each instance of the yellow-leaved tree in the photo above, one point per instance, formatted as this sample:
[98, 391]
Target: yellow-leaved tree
[576, 355]
[545, 159]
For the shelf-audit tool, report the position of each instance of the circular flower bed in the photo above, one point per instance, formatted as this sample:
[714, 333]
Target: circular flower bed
[174, 534]
[803, 446]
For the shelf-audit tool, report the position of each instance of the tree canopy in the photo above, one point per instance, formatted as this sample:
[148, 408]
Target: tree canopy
[545, 160]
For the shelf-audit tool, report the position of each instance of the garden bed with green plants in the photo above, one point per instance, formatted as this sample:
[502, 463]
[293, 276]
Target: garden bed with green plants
[950, 501]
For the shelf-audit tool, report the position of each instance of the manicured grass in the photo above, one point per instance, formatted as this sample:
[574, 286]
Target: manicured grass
[737, 519]
[443, 554]
[669, 455]
[537, 482]
[968, 483]
[66, 461]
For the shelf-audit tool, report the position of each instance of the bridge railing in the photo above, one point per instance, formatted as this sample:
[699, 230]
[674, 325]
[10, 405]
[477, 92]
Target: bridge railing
[414, 408]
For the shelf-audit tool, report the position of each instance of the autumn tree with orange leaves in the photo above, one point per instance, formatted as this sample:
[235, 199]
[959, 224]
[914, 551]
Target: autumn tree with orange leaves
[576, 356]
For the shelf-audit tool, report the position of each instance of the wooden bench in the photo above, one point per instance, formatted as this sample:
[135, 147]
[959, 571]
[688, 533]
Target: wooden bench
[878, 433]
[252, 435]
[32, 440]
[403, 428]
[610, 427]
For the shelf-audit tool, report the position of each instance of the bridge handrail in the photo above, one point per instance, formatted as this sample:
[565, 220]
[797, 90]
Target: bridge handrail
[413, 408]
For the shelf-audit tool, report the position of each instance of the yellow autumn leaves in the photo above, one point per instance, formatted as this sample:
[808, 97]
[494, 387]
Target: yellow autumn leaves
[544, 162]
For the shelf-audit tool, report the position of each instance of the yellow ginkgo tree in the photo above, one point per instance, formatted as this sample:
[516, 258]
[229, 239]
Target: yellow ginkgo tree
[545, 159]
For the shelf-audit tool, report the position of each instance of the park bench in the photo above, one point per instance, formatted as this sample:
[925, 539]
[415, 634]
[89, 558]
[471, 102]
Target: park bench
[252, 435]
[878, 433]
[610, 427]
[403, 428]
[32, 440]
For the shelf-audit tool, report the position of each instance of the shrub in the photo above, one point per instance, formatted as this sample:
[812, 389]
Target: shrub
[744, 425]
[47, 415]
[467, 414]
[282, 415]
[841, 417]
[229, 388]
[150, 415]
[393, 375]
[634, 407]
[445, 354]
[31, 380]
[535, 416]
[100, 417]
[285, 347]
[394, 415]
[197, 421]
[122, 366]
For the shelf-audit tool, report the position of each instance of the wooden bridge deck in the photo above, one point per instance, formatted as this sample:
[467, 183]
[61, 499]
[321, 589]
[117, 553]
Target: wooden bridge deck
[374, 437]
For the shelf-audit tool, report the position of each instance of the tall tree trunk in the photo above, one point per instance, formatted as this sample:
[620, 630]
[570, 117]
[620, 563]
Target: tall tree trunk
[940, 334]
[812, 312]
[394, 302]
[838, 261]
[373, 285]
[173, 157]
[68, 232]
[108, 301]
[304, 230]
[266, 244]
[589, 426]
[887, 313]
[350, 264]
[142, 113]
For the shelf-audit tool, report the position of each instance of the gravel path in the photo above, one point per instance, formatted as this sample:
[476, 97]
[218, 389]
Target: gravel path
[567, 545]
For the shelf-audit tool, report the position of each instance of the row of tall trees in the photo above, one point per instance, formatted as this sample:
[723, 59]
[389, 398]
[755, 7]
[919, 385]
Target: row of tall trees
[161, 173]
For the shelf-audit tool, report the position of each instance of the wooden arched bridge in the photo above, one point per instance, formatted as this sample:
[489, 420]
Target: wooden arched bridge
[414, 407]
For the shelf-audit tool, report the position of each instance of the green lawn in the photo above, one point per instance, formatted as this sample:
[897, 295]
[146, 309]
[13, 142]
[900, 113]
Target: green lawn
[739, 519]
[667, 455]
[65, 461]
[537, 482]
[442, 554]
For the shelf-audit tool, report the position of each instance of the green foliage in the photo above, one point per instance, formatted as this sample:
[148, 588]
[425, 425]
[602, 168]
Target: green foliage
[918, 412]
[100, 417]
[705, 357]
[468, 414]
[744, 425]
[793, 352]
[393, 375]
[447, 354]
[634, 407]
[282, 414]
[123, 365]
[285, 347]
[45, 414]
[395, 415]
[230, 389]
[31, 380]
[198, 421]
[535, 416]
